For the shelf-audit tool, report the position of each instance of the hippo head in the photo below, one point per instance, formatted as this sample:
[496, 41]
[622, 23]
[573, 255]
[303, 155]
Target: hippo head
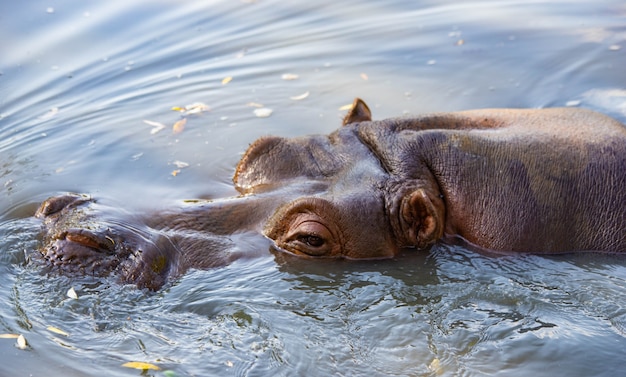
[367, 205]
[343, 195]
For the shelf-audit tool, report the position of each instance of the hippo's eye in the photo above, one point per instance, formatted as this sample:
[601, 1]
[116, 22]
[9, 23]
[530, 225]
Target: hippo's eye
[311, 240]
[307, 235]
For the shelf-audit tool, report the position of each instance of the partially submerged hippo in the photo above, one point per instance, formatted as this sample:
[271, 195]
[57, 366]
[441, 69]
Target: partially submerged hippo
[502, 181]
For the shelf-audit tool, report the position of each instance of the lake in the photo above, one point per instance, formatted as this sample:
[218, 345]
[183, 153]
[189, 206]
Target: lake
[91, 95]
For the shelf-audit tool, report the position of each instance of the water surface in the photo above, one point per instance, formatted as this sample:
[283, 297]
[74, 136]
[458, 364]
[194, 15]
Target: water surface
[78, 80]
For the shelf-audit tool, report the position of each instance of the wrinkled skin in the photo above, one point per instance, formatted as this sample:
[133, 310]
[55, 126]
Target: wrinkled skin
[500, 181]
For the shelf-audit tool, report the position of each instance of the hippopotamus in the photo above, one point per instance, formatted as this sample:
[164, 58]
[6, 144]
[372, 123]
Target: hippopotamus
[498, 181]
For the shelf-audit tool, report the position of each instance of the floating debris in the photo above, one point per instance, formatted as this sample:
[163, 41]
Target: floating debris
[21, 342]
[179, 126]
[194, 108]
[71, 293]
[435, 366]
[615, 47]
[300, 97]
[254, 104]
[290, 76]
[140, 365]
[226, 80]
[263, 112]
[180, 164]
[57, 330]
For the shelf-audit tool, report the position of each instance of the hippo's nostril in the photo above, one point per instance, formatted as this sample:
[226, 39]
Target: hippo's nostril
[97, 242]
[55, 204]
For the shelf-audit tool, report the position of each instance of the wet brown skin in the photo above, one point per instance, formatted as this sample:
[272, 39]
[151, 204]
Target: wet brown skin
[500, 180]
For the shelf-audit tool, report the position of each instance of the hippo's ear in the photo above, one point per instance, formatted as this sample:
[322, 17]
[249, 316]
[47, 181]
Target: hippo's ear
[423, 218]
[273, 160]
[359, 112]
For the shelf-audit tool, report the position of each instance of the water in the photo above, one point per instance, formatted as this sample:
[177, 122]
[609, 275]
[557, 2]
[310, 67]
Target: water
[77, 81]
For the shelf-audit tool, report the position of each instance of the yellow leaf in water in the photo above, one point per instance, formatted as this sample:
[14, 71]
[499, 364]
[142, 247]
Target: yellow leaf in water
[300, 97]
[254, 104]
[9, 336]
[140, 365]
[175, 172]
[227, 80]
[177, 108]
[345, 107]
[435, 366]
[21, 342]
[364, 76]
[71, 293]
[179, 126]
[57, 331]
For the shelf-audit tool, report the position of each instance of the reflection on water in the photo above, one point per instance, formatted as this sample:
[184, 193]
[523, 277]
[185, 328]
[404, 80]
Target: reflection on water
[77, 82]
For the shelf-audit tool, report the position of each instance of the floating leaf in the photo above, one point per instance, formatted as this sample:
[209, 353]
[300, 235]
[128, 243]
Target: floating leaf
[300, 97]
[9, 336]
[345, 107]
[71, 293]
[180, 164]
[175, 172]
[263, 112]
[226, 80]
[179, 126]
[21, 342]
[57, 331]
[435, 366]
[140, 365]
[196, 108]
[254, 104]
[157, 127]
[290, 76]
[364, 76]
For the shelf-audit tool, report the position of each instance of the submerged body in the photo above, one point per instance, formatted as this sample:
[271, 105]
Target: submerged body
[540, 181]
